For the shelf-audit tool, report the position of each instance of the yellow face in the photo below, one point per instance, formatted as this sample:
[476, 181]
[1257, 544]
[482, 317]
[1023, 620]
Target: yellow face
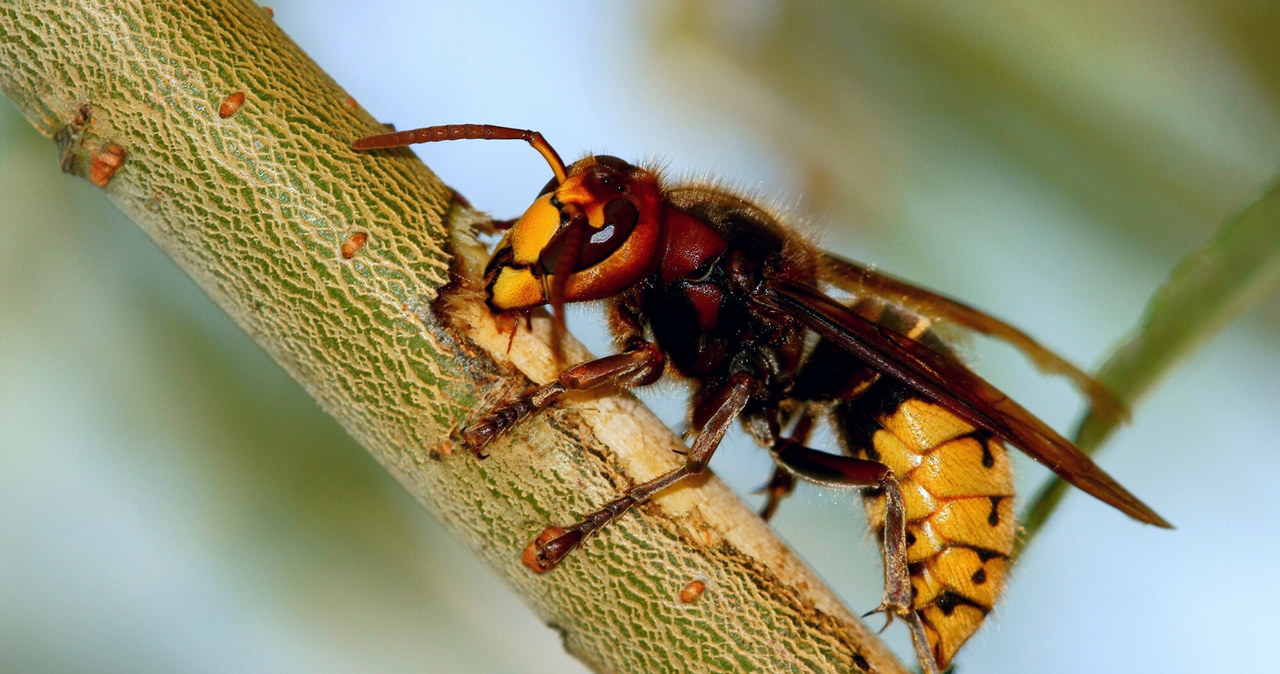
[512, 283]
[599, 229]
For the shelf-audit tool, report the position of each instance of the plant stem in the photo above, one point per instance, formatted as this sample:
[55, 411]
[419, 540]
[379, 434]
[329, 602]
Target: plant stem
[229, 147]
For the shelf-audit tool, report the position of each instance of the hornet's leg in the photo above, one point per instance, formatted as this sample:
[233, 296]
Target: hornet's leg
[780, 486]
[845, 471]
[546, 551]
[636, 367]
[783, 482]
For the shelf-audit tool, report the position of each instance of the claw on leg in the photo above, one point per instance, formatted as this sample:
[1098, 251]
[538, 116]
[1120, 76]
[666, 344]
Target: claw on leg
[543, 553]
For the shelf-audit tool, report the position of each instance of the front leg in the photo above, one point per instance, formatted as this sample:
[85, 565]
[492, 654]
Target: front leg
[637, 366]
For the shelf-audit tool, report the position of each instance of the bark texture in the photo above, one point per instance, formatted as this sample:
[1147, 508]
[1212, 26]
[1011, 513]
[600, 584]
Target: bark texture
[228, 146]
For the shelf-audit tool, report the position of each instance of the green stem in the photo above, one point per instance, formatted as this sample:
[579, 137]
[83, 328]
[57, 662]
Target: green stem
[1204, 293]
[262, 206]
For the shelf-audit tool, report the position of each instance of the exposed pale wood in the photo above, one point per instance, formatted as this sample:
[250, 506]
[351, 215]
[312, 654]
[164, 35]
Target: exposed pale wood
[260, 207]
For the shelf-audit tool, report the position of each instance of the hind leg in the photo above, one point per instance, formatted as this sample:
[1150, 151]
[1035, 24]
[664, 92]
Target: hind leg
[844, 471]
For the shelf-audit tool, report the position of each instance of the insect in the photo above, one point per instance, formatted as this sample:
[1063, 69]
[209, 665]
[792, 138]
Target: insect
[703, 282]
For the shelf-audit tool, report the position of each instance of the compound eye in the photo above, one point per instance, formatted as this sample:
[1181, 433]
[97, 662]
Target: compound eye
[620, 217]
[578, 245]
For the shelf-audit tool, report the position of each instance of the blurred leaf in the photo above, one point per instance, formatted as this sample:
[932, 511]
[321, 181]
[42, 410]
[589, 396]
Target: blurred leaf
[1203, 294]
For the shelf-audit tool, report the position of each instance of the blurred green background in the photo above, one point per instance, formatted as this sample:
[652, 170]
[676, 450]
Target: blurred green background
[170, 501]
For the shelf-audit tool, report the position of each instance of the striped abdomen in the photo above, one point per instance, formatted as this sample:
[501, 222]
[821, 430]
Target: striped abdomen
[958, 489]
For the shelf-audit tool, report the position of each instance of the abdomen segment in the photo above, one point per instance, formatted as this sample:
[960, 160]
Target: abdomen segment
[958, 492]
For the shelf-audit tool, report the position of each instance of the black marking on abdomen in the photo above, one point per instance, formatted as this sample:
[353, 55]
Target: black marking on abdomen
[983, 437]
[948, 601]
[985, 555]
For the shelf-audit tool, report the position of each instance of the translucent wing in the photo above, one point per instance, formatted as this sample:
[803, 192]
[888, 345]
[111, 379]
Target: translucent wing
[953, 386]
[861, 280]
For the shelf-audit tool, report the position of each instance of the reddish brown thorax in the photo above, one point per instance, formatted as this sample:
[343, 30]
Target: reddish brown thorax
[706, 283]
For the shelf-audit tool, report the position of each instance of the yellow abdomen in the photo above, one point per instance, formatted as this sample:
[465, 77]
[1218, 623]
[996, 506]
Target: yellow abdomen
[958, 489]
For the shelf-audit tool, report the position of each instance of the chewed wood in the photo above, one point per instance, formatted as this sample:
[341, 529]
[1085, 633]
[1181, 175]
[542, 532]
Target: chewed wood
[258, 207]
[703, 283]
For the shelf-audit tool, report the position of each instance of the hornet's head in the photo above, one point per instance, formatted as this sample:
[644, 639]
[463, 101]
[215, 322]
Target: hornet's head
[588, 236]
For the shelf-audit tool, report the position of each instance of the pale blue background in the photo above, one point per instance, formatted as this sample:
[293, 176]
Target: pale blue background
[170, 501]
